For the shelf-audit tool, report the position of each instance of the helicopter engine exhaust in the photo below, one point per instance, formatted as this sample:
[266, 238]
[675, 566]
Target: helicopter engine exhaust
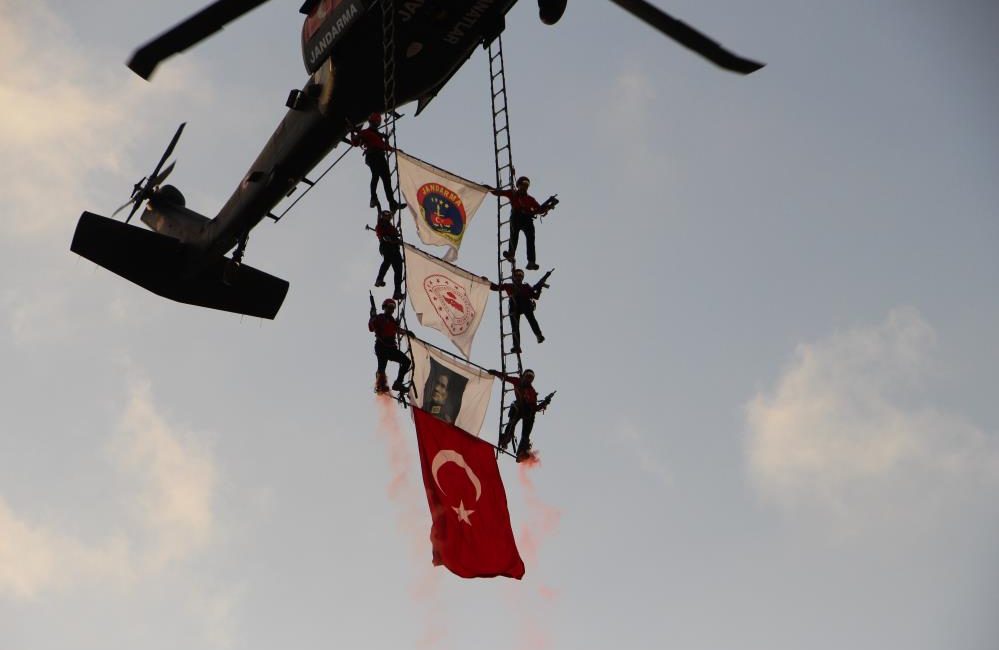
[551, 11]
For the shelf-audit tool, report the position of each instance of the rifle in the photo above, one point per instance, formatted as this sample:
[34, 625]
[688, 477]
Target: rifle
[540, 284]
[543, 404]
[548, 205]
[371, 299]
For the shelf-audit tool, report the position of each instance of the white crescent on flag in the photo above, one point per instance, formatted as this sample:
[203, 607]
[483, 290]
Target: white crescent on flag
[445, 456]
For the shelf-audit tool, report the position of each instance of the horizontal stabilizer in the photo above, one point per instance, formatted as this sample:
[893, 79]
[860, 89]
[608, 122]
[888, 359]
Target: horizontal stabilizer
[175, 270]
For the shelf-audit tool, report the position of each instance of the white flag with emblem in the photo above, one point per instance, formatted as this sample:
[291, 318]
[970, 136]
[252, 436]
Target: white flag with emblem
[449, 389]
[445, 297]
[441, 203]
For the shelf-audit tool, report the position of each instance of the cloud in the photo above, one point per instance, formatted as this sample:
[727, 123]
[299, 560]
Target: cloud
[174, 484]
[636, 442]
[34, 559]
[55, 129]
[625, 114]
[843, 430]
[175, 477]
[69, 119]
[216, 611]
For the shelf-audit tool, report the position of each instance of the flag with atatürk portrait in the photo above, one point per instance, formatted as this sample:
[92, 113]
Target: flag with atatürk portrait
[441, 203]
[449, 389]
[471, 533]
[445, 297]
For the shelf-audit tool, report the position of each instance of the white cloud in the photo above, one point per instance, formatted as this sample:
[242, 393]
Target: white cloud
[68, 122]
[34, 559]
[63, 120]
[635, 441]
[843, 431]
[216, 611]
[174, 481]
[626, 115]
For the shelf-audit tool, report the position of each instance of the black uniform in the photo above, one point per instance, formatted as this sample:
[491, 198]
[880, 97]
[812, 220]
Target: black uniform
[389, 245]
[386, 328]
[522, 297]
[523, 410]
[376, 146]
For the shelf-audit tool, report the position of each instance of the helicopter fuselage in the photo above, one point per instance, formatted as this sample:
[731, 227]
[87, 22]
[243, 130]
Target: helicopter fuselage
[433, 38]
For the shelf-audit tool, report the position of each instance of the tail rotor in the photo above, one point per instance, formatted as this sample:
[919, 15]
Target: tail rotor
[148, 184]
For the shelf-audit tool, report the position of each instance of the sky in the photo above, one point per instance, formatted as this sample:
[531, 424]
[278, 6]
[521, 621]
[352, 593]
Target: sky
[773, 327]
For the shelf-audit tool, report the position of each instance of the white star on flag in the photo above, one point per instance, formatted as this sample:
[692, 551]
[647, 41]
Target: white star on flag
[462, 513]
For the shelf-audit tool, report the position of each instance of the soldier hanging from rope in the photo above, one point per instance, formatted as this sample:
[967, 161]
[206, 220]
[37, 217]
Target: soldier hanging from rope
[523, 209]
[387, 330]
[523, 409]
[376, 146]
[389, 245]
[522, 297]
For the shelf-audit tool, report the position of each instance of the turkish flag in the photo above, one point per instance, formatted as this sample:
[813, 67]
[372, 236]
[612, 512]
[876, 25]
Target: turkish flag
[471, 532]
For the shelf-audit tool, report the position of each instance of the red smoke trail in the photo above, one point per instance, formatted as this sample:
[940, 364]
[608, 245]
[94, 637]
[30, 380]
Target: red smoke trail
[400, 459]
[542, 523]
[543, 518]
[413, 520]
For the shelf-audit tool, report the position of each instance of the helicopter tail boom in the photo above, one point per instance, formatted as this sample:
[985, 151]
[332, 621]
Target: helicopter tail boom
[175, 270]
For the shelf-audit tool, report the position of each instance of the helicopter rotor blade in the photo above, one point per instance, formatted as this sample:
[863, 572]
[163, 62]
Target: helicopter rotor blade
[687, 36]
[136, 202]
[122, 207]
[187, 33]
[166, 154]
[155, 178]
[138, 186]
[158, 180]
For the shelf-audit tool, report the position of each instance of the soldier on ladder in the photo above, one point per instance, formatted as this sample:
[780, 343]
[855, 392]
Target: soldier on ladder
[523, 209]
[524, 408]
[522, 297]
[389, 243]
[387, 330]
[376, 146]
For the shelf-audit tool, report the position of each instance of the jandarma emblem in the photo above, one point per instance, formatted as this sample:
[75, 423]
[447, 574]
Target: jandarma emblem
[442, 210]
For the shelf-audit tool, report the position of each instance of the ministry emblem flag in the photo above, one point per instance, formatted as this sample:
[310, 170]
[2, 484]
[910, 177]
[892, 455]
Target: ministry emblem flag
[471, 533]
[445, 297]
[441, 203]
[449, 389]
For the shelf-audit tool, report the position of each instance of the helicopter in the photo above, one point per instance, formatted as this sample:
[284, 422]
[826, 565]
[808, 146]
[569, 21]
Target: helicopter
[182, 256]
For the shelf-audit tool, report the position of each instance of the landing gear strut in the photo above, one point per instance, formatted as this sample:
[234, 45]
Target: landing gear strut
[231, 271]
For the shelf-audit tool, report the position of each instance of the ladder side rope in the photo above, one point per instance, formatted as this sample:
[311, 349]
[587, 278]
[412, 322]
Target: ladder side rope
[388, 75]
[503, 154]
